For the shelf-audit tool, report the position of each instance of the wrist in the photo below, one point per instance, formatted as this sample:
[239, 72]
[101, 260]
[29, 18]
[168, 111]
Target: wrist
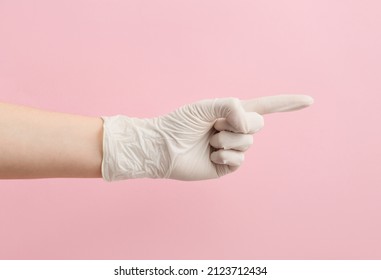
[133, 148]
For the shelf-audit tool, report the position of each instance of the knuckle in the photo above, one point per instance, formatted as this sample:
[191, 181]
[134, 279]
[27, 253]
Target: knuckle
[234, 102]
[250, 140]
[261, 120]
[242, 158]
[246, 142]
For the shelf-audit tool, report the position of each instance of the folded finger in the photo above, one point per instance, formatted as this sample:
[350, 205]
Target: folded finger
[228, 140]
[254, 122]
[228, 157]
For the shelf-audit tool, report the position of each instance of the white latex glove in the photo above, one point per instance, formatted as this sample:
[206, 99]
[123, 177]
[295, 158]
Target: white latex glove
[199, 141]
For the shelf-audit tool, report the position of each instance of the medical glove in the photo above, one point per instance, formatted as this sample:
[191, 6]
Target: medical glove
[198, 141]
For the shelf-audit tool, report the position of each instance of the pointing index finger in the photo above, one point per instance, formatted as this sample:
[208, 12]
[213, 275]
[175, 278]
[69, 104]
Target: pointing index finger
[277, 103]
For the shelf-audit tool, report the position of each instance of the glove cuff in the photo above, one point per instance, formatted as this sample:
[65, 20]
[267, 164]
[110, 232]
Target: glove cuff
[133, 148]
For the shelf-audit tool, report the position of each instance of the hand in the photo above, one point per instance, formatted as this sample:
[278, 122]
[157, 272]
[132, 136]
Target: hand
[199, 141]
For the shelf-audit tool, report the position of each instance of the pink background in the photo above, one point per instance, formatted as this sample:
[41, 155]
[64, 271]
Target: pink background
[310, 187]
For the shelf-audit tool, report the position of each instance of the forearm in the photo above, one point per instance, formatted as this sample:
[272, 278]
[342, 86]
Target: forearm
[41, 144]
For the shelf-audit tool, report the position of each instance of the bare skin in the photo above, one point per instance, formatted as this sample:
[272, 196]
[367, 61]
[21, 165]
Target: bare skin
[41, 144]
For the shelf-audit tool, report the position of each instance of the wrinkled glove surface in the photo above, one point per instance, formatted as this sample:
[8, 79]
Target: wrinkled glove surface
[198, 141]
